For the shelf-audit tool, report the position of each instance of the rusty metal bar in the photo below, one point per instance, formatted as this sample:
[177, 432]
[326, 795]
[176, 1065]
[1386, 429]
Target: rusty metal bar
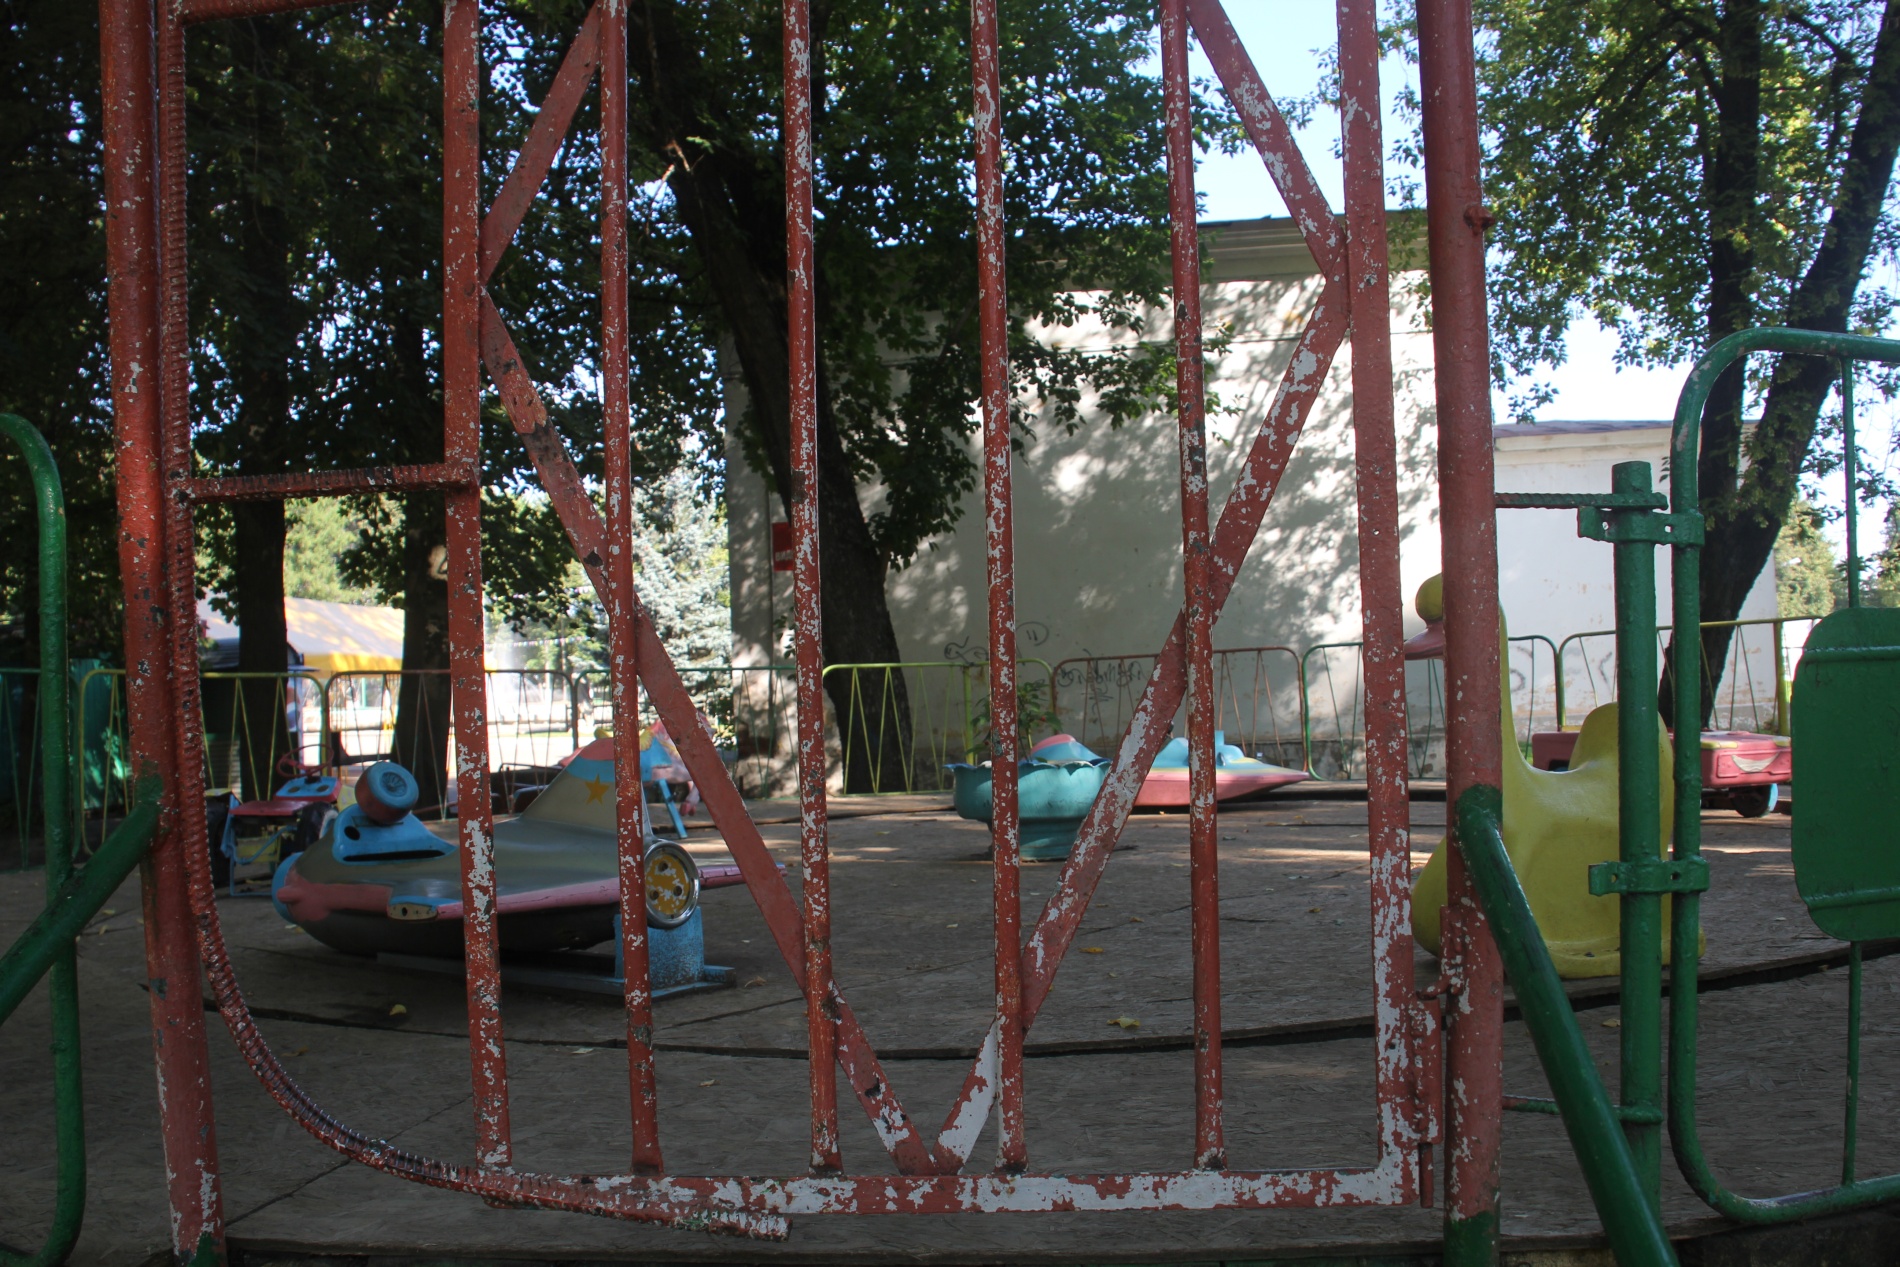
[802, 336]
[365, 479]
[1240, 519]
[1268, 130]
[474, 331]
[192, 12]
[135, 260]
[551, 122]
[1455, 223]
[629, 790]
[1239, 522]
[461, 442]
[1381, 597]
[1000, 552]
[667, 690]
[1210, 1146]
[186, 723]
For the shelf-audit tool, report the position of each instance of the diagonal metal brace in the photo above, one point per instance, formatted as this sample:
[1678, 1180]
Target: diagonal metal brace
[1662, 875]
[1648, 526]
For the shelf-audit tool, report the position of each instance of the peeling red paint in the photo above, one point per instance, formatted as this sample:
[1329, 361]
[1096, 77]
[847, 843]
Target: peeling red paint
[1000, 549]
[145, 217]
[821, 1014]
[1474, 1017]
[1210, 1144]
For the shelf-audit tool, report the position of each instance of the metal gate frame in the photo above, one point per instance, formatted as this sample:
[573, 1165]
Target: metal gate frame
[145, 167]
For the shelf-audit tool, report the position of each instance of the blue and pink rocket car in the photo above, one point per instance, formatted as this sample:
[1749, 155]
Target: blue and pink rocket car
[381, 881]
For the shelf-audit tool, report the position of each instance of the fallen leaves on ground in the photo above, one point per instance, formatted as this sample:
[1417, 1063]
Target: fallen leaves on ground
[1091, 950]
[1126, 1022]
[397, 1009]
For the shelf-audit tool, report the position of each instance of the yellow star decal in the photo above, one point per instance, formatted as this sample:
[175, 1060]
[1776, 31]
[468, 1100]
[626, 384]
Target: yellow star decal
[596, 788]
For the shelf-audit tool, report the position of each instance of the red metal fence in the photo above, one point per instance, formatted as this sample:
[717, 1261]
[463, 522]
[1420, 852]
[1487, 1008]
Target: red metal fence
[144, 56]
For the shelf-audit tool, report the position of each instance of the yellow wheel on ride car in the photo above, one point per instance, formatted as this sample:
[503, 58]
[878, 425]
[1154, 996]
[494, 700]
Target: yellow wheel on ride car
[672, 885]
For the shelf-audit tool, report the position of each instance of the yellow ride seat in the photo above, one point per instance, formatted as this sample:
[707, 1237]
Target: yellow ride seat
[1557, 823]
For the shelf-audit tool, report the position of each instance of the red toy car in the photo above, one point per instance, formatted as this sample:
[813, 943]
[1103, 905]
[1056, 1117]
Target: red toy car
[1744, 768]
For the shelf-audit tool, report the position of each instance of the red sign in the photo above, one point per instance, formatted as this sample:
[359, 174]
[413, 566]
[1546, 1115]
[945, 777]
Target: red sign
[781, 547]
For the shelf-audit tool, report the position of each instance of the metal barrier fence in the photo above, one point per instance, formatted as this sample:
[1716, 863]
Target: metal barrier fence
[20, 767]
[533, 719]
[1303, 708]
[1749, 692]
[1847, 889]
[949, 706]
[750, 710]
[231, 714]
[1295, 708]
[1333, 706]
[1258, 690]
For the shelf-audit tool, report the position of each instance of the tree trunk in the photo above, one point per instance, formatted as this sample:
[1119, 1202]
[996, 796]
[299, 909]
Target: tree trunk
[732, 203]
[263, 344]
[422, 700]
[261, 728]
[1745, 511]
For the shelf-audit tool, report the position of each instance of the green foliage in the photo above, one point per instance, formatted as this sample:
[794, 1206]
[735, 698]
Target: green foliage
[1609, 174]
[680, 567]
[330, 122]
[320, 534]
[53, 367]
[314, 245]
[1881, 574]
[1035, 711]
[895, 233]
[1808, 579]
[1085, 200]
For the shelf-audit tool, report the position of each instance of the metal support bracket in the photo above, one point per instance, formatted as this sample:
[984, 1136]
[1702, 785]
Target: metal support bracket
[1572, 501]
[1666, 875]
[1646, 526]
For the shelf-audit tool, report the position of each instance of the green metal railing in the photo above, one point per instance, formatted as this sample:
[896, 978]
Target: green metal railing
[1851, 1193]
[73, 895]
[1746, 704]
[948, 722]
[750, 707]
[20, 757]
[1257, 692]
[1339, 752]
[1619, 1146]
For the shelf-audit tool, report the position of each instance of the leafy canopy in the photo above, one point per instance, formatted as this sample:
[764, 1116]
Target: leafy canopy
[1603, 160]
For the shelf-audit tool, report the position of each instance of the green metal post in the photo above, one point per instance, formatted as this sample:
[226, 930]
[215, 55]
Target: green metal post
[970, 741]
[1848, 464]
[1783, 688]
[1638, 809]
[69, 1206]
[1850, 1136]
[1622, 1193]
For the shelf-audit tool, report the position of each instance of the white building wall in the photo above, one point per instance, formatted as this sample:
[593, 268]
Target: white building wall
[1098, 536]
[1555, 583]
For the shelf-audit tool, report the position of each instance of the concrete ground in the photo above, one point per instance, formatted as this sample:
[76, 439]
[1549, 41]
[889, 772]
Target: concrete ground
[384, 1049]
